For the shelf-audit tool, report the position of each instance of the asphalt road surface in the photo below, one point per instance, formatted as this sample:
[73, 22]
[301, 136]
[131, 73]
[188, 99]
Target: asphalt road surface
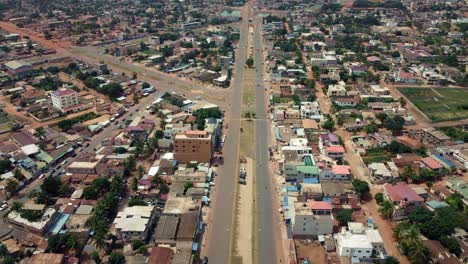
[221, 228]
[266, 243]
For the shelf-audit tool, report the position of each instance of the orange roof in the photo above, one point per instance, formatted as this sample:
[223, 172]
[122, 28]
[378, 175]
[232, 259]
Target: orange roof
[341, 169]
[335, 149]
[196, 132]
[319, 205]
[431, 163]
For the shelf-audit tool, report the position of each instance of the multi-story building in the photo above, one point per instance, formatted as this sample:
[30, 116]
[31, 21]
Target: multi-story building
[189, 175]
[65, 100]
[193, 145]
[359, 243]
[311, 219]
[135, 222]
[403, 198]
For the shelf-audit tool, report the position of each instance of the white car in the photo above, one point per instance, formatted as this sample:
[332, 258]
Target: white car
[212, 184]
[3, 207]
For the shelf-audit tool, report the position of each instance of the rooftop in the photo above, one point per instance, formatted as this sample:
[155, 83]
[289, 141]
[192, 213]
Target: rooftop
[63, 92]
[402, 192]
[133, 219]
[319, 205]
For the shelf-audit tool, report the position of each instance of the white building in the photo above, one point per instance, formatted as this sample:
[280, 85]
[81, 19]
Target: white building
[324, 60]
[383, 172]
[337, 89]
[311, 218]
[135, 222]
[311, 110]
[359, 242]
[65, 100]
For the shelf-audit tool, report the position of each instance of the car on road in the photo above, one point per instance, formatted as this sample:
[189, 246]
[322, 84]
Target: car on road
[205, 260]
[3, 207]
[242, 181]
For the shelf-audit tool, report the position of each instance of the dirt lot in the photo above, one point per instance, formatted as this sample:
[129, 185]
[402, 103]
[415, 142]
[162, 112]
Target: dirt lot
[310, 249]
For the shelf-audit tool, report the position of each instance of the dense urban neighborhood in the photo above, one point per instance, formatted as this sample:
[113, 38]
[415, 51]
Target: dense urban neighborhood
[234, 132]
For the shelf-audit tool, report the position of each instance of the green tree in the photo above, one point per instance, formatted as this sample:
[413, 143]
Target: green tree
[116, 258]
[344, 216]
[51, 185]
[418, 253]
[136, 244]
[120, 150]
[136, 201]
[40, 132]
[140, 171]
[130, 165]
[5, 166]
[3, 250]
[329, 124]
[371, 128]
[187, 186]
[134, 184]
[163, 188]
[249, 62]
[95, 256]
[139, 147]
[12, 187]
[452, 245]
[8, 260]
[394, 124]
[16, 206]
[455, 201]
[361, 188]
[391, 260]
[379, 198]
[386, 209]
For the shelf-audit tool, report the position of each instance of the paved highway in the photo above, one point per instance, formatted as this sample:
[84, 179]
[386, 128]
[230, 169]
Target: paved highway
[265, 219]
[220, 231]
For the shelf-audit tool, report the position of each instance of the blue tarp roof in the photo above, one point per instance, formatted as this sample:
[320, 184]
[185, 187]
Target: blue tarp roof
[205, 199]
[444, 160]
[327, 199]
[61, 220]
[277, 134]
[311, 180]
[195, 246]
[285, 202]
[291, 188]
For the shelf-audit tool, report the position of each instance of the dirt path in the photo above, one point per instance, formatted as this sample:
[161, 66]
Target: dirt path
[58, 45]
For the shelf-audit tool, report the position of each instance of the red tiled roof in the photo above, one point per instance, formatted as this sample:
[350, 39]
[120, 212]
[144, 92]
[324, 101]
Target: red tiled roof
[160, 255]
[339, 149]
[196, 132]
[431, 163]
[63, 92]
[401, 191]
[341, 169]
[319, 205]
[405, 75]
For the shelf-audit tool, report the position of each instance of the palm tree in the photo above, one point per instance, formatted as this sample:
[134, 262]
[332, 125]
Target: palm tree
[408, 237]
[40, 132]
[95, 256]
[140, 171]
[418, 253]
[386, 209]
